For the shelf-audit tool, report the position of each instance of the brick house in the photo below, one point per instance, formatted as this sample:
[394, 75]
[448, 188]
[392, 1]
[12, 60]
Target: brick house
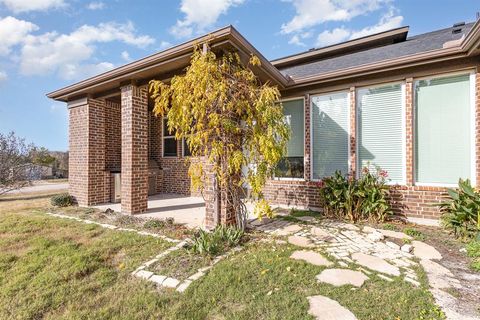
[408, 104]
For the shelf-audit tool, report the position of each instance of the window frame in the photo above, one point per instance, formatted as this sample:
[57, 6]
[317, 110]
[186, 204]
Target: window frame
[473, 150]
[349, 160]
[167, 137]
[358, 168]
[302, 97]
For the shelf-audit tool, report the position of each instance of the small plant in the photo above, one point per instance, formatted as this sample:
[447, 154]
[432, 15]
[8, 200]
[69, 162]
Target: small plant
[62, 200]
[362, 199]
[154, 224]
[389, 226]
[126, 220]
[461, 212]
[414, 233]
[473, 251]
[219, 240]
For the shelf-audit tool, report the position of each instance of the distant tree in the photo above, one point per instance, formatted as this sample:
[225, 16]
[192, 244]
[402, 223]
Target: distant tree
[230, 118]
[16, 158]
[41, 156]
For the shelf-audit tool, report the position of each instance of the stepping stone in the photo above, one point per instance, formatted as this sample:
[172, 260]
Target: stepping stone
[288, 230]
[376, 236]
[425, 251]
[306, 219]
[392, 245]
[375, 263]
[323, 308]
[348, 226]
[394, 234]
[341, 277]
[311, 257]
[300, 241]
[320, 233]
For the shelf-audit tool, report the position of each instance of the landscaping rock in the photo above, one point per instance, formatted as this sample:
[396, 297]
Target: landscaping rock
[158, 279]
[184, 286]
[288, 230]
[407, 248]
[376, 264]
[144, 274]
[340, 277]
[368, 229]
[385, 277]
[311, 257]
[425, 251]
[300, 241]
[320, 233]
[392, 245]
[170, 283]
[376, 236]
[323, 308]
[394, 234]
[306, 219]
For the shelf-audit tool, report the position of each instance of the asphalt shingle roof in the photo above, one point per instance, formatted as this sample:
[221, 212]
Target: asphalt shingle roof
[412, 45]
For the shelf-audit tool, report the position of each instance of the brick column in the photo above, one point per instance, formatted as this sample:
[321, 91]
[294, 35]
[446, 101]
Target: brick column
[477, 125]
[87, 151]
[308, 151]
[134, 149]
[409, 130]
[353, 132]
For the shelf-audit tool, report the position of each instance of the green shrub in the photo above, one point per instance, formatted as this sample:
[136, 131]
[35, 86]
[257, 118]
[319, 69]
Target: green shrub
[473, 251]
[62, 200]
[217, 241]
[362, 199]
[461, 212]
[414, 233]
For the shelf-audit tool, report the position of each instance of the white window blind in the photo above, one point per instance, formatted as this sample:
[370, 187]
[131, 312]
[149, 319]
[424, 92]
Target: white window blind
[443, 131]
[381, 130]
[293, 112]
[330, 134]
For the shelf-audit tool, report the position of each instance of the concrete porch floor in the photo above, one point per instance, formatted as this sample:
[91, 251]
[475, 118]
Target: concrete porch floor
[183, 209]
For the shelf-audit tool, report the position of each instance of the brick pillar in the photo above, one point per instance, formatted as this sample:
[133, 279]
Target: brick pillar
[87, 151]
[353, 131]
[477, 125]
[134, 149]
[409, 130]
[308, 151]
[212, 200]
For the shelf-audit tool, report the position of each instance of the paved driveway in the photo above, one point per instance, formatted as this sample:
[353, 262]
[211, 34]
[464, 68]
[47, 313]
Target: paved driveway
[41, 187]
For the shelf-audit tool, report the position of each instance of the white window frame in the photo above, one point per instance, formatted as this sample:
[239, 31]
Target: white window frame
[349, 160]
[472, 79]
[358, 170]
[304, 164]
[163, 140]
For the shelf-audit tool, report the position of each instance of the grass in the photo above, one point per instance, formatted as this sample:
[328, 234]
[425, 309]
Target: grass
[180, 264]
[414, 233]
[473, 251]
[52, 268]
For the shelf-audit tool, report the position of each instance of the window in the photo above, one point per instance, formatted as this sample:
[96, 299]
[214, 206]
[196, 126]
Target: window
[186, 149]
[330, 134]
[381, 138]
[169, 141]
[444, 129]
[292, 165]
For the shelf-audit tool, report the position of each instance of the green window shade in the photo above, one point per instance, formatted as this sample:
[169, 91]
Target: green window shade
[293, 112]
[330, 134]
[292, 165]
[443, 130]
[380, 130]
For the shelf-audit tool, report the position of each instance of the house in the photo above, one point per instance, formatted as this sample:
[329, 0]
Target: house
[408, 104]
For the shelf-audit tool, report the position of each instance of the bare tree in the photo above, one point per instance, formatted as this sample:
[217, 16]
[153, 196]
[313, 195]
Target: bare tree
[16, 163]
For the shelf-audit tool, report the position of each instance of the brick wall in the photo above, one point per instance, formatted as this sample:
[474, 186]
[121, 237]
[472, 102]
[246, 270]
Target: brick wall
[113, 135]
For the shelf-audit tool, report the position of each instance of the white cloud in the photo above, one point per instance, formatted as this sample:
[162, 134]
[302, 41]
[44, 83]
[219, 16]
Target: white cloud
[96, 5]
[13, 32]
[3, 76]
[126, 56]
[199, 15]
[67, 54]
[18, 6]
[387, 22]
[334, 36]
[297, 39]
[309, 13]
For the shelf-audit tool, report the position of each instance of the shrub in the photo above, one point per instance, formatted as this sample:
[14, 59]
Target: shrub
[62, 200]
[220, 239]
[461, 212]
[473, 251]
[362, 199]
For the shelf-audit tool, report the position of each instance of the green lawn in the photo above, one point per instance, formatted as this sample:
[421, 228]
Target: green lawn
[52, 268]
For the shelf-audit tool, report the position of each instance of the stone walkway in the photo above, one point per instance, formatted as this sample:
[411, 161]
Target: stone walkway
[374, 249]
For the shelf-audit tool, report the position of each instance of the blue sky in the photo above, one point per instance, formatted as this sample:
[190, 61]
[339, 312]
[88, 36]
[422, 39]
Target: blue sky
[47, 44]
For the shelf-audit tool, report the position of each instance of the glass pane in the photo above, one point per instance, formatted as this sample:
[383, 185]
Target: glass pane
[293, 111]
[169, 147]
[186, 149]
[380, 130]
[442, 130]
[290, 167]
[330, 134]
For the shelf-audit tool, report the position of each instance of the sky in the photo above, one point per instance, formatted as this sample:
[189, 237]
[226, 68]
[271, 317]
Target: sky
[48, 44]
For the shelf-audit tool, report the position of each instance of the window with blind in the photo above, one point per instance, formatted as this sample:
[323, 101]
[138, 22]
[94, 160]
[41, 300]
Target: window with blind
[380, 121]
[330, 134]
[443, 130]
[292, 165]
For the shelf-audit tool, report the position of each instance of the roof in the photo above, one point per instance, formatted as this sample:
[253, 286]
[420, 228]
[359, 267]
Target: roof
[413, 45]
[375, 53]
